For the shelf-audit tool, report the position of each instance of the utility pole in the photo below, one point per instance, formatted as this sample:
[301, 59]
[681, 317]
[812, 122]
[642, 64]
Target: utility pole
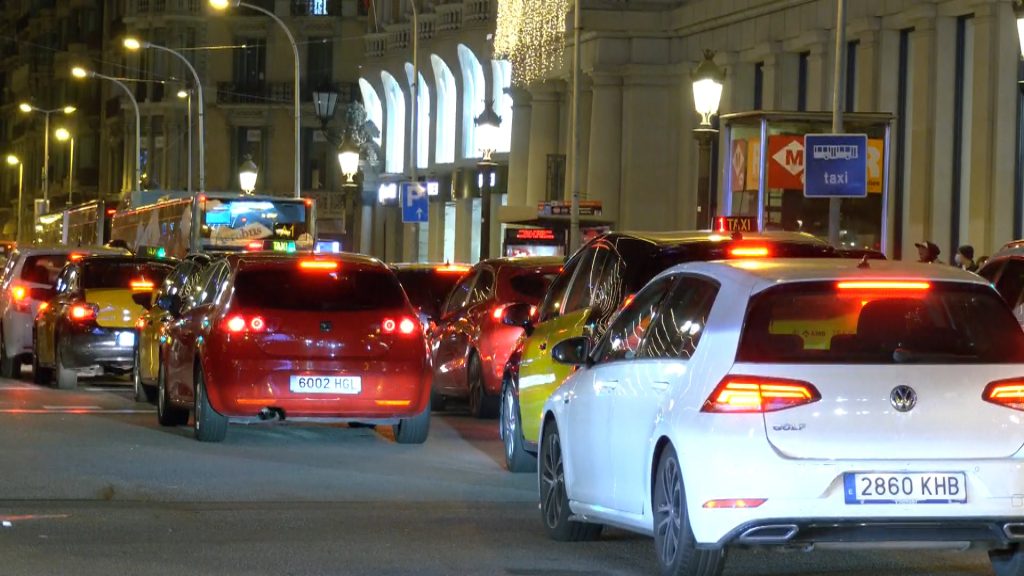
[838, 91]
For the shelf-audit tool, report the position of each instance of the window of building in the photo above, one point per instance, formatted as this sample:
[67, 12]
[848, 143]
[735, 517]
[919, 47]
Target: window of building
[801, 81]
[422, 117]
[447, 101]
[960, 210]
[319, 62]
[250, 65]
[472, 100]
[759, 86]
[394, 125]
[851, 75]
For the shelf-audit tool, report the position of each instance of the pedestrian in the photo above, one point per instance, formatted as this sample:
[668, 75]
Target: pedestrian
[964, 258]
[927, 252]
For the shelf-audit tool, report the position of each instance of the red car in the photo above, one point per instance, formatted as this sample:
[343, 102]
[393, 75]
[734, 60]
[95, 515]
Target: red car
[268, 337]
[471, 344]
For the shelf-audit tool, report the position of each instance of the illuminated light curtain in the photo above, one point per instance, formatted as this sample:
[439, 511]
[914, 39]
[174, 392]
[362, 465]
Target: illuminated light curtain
[472, 99]
[374, 108]
[422, 119]
[447, 102]
[501, 73]
[394, 126]
[531, 35]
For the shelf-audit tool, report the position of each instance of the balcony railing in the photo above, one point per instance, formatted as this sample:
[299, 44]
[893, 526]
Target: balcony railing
[265, 93]
[316, 7]
[449, 16]
[155, 7]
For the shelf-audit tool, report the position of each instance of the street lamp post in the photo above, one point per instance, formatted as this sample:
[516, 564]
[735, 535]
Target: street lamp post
[187, 95]
[707, 95]
[348, 161]
[135, 44]
[13, 160]
[487, 127]
[221, 5]
[27, 108]
[79, 72]
[247, 174]
[63, 135]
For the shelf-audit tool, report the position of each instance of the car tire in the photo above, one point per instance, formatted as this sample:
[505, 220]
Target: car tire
[413, 430]
[67, 379]
[481, 404]
[40, 375]
[7, 363]
[167, 414]
[674, 543]
[554, 501]
[1008, 562]
[143, 393]
[517, 459]
[209, 425]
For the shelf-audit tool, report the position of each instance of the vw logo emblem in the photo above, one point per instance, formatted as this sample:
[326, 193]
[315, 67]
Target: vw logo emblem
[903, 398]
[325, 326]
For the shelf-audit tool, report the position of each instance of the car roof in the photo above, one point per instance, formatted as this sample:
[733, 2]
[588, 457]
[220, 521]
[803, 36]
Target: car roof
[695, 236]
[127, 258]
[425, 266]
[38, 249]
[1015, 248]
[764, 273]
[524, 261]
[284, 257]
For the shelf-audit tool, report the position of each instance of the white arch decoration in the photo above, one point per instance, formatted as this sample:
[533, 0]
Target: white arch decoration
[447, 101]
[373, 107]
[501, 82]
[422, 118]
[472, 99]
[394, 127]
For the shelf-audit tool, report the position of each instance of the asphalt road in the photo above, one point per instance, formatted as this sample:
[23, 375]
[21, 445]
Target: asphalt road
[91, 485]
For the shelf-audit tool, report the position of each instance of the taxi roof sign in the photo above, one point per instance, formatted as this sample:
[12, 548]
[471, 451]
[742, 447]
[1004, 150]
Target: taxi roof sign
[735, 224]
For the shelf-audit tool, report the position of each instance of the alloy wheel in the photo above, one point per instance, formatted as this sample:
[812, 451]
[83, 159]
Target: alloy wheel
[508, 423]
[552, 481]
[668, 512]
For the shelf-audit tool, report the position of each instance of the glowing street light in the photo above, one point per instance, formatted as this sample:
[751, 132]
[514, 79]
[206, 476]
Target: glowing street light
[28, 108]
[348, 160]
[247, 173]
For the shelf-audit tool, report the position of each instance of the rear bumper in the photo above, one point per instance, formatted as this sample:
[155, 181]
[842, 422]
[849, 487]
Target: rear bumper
[239, 389]
[106, 347]
[978, 532]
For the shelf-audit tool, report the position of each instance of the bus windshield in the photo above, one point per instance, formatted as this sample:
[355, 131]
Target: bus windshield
[234, 223]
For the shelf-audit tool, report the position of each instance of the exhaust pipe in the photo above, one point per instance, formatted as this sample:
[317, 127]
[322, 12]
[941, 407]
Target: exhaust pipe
[769, 534]
[1014, 530]
[268, 413]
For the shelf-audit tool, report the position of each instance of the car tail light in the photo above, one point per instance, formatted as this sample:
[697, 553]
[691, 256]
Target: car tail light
[81, 312]
[322, 265]
[1008, 393]
[404, 326]
[749, 252]
[752, 394]
[75, 256]
[141, 285]
[902, 285]
[254, 246]
[238, 324]
[43, 306]
[735, 503]
[19, 293]
[452, 269]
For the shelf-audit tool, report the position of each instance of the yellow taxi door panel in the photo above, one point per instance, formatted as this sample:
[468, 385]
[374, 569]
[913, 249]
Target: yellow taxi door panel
[539, 375]
[116, 307]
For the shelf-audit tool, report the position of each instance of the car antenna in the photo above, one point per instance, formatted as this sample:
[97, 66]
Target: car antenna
[863, 264]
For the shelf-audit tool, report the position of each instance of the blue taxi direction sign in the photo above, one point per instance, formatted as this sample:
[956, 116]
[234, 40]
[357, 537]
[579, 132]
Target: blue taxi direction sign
[835, 165]
[415, 202]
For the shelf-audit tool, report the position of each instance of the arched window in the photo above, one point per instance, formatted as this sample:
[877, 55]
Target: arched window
[501, 75]
[374, 110]
[472, 99]
[422, 119]
[444, 143]
[394, 127]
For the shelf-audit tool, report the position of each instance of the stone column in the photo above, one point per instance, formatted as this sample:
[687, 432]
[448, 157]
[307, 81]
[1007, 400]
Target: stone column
[604, 170]
[781, 71]
[649, 183]
[519, 156]
[544, 130]
[464, 225]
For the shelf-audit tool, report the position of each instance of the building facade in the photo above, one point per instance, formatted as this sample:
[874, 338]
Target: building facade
[946, 71]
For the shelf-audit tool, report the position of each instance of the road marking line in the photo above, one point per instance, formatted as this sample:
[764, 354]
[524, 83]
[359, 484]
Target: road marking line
[72, 407]
[19, 387]
[66, 410]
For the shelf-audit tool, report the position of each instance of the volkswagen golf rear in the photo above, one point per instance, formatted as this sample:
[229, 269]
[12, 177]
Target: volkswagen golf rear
[298, 338]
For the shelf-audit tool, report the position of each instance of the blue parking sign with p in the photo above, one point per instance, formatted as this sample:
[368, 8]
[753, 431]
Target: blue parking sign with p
[415, 202]
[835, 165]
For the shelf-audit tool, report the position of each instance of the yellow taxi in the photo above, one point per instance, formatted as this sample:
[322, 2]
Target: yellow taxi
[590, 289]
[89, 327]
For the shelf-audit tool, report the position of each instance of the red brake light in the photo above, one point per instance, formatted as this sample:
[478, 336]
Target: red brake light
[499, 312]
[111, 211]
[141, 285]
[749, 252]
[1008, 393]
[751, 394]
[452, 269]
[883, 285]
[329, 265]
[388, 325]
[235, 324]
[43, 306]
[18, 293]
[403, 326]
[75, 257]
[238, 324]
[82, 312]
[254, 245]
[257, 324]
[406, 326]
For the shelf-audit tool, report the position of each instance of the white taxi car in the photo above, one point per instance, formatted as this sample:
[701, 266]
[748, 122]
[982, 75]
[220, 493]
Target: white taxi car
[794, 403]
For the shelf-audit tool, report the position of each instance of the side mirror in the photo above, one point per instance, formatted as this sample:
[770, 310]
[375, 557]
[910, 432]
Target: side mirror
[172, 303]
[519, 315]
[574, 351]
[144, 299]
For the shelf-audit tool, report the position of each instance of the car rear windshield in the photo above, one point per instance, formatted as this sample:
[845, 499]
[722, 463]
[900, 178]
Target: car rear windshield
[826, 322]
[43, 269]
[427, 289]
[530, 286]
[99, 274]
[281, 288]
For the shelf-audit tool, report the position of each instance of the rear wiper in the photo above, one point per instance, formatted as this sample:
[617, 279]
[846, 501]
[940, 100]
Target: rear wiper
[906, 356]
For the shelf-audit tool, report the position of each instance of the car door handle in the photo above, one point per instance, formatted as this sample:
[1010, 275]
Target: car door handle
[606, 385]
[660, 386]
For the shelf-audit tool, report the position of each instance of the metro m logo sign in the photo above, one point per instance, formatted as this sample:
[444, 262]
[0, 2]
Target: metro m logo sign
[786, 162]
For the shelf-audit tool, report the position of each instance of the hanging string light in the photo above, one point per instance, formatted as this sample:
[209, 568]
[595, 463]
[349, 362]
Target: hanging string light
[531, 35]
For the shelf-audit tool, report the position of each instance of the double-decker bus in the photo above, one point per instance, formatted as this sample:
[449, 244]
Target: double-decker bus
[86, 224]
[218, 222]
